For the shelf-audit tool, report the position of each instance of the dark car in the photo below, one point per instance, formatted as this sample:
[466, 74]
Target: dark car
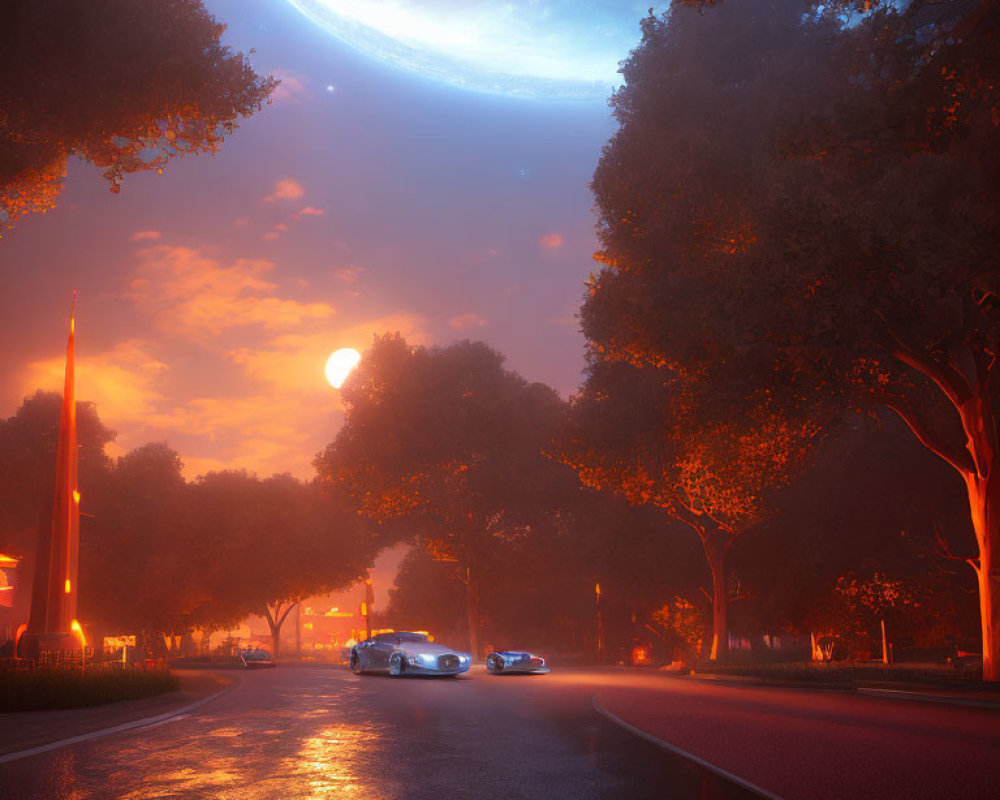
[513, 662]
[256, 658]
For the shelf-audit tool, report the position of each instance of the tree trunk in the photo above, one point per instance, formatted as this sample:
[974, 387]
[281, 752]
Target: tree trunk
[472, 612]
[966, 383]
[274, 621]
[715, 552]
[275, 638]
[984, 503]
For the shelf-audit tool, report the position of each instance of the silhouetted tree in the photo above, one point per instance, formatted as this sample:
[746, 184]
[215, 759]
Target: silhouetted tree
[451, 441]
[124, 85]
[28, 442]
[265, 545]
[138, 571]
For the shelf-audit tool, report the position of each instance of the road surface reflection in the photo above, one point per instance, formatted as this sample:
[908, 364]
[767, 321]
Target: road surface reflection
[331, 763]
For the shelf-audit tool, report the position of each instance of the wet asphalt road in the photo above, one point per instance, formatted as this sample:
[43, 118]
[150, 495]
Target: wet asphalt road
[312, 732]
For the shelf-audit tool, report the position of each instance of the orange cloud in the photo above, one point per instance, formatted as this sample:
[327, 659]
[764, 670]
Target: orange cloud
[310, 211]
[144, 236]
[243, 386]
[349, 275]
[463, 321]
[192, 294]
[286, 189]
[292, 86]
[551, 240]
[289, 415]
[123, 381]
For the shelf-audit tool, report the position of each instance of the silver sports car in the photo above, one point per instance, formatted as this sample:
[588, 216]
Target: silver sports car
[505, 662]
[403, 653]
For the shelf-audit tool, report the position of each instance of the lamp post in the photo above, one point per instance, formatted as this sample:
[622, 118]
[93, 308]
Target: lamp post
[600, 625]
[369, 601]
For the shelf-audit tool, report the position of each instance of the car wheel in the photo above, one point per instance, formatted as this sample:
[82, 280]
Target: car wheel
[396, 666]
[355, 663]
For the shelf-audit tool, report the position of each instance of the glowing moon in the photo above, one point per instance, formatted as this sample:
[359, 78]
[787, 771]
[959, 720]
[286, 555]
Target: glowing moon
[340, 364]
[537, 48]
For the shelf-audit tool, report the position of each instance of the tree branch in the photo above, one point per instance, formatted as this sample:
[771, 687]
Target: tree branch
[943, 549]
[947, 379]
[288, 610]
[961, 463]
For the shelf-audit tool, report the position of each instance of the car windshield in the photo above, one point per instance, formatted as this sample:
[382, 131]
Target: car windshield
[412, 637]
[257, 655]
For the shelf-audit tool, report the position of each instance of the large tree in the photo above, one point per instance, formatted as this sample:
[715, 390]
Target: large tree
[680, 408]
[894, 193]
[825, 198]
[451, 443]
[137, 562]
[266, 545]
[638, 433]
[125, 85]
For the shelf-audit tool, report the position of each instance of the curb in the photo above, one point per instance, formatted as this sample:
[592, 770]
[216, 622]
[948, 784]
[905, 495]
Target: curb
[125, 726]
[894, 692]
[752, 787]
[922, 697]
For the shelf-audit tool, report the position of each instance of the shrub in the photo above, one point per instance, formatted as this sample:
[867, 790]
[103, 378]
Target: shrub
[32, 690]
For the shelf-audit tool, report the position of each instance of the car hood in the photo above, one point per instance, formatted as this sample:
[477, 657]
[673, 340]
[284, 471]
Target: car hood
[428, 649]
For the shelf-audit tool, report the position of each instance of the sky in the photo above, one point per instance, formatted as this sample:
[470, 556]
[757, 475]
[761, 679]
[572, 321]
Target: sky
[366, 199]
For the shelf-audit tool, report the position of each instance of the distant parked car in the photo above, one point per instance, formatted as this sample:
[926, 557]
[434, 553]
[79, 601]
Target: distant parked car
[505, 662]
[405, 653]
[256, 658]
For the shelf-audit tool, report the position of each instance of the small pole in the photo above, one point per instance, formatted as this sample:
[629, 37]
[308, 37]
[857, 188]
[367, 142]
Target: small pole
[369, 602]
[298, 629]
[600, 625]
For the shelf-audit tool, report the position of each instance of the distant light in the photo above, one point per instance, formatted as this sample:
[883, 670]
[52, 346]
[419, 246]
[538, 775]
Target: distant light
[69, 586]
[340, 364]
[76, 497]
[331, 88]
[75, 627]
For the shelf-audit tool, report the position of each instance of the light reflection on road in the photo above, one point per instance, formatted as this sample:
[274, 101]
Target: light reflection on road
[287, 744]
[331, 763]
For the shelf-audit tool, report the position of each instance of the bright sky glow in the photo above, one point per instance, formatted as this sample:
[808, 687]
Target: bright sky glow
[551, 48]
[340, 364]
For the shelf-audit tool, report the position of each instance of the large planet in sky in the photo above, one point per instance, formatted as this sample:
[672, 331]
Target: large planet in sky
[565, 49]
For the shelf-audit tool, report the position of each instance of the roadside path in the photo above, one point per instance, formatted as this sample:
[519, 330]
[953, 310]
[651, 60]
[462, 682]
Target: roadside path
[815, 744]
[27, 730]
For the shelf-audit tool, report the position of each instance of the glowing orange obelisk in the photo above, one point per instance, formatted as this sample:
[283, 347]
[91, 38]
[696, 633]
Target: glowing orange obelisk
[52, 624]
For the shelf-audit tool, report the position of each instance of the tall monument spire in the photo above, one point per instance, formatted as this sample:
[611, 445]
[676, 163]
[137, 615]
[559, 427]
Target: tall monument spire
[52, 624]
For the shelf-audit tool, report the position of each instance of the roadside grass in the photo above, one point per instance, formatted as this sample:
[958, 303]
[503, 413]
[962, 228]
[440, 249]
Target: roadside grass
[42, 689]
[850, 673]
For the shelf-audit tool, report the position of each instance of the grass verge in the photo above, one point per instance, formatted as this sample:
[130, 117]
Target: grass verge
[36, 690]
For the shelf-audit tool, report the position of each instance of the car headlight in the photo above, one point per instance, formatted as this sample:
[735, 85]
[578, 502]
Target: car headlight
[415, 661]
[463, 659]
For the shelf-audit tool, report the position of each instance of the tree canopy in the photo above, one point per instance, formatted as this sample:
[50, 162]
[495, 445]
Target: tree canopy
[126, 86]
[452, 444]
[807, 210]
